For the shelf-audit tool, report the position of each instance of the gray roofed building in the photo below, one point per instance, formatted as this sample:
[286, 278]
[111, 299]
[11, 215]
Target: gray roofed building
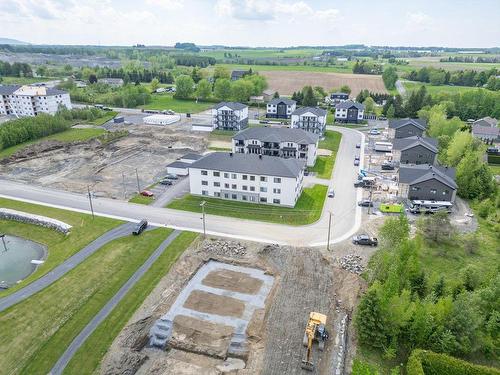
[427, 182]
[287, 101]
[277, 135]
[408, 127]
[413, 173]
[398, 123]
[486, 121]
[409, 142]
[237, 74]
[486, 132]
[191, 156]
[251, 164]
[8, 89]
[348, 104]
[232, 105]
[314, 110]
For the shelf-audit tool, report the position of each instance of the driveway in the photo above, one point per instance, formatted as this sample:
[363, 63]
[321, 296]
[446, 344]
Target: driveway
[346, 214]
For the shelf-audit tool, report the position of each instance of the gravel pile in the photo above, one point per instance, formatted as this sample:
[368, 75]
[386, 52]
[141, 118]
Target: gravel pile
[351, 263]
[224, 248]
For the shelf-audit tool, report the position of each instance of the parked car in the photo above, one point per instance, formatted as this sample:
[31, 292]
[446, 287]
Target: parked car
[171, 176]
[364, 239]
[356, 157]
[387, 166]
[306, 173]
[358, 145]
[166, 182]
[356, 162]
[374, 131]
[147, 193]
[365, 203]
[359, 183]
[140, 227]
[331, 193]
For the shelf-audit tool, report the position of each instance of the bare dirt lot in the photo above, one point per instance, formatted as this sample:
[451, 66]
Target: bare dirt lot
[214, 304]
[286, 82]
[108, 168]
[305, 280]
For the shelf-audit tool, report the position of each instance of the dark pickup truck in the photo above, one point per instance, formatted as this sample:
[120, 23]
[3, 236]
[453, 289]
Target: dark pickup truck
[364, 239]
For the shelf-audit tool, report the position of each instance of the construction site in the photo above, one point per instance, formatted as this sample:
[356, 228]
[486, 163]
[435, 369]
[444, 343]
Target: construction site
[242, 308]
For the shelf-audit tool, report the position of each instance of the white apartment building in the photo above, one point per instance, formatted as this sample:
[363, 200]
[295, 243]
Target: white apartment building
[230, 116]
[310, 119]
[248, 178]
[282, 142]
[349, 111]
[280, 108]
[31, 100]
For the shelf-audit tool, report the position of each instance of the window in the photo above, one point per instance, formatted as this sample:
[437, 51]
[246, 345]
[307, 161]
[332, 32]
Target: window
[276, 201]
[217, 194]
[277, 191]
[245, 187]
[204, 183]
[204, 173]
[217, 184]
[433, 191]
[263, 179]
[415, 188]
[252, 199]
[226, 195]
[446, 192]
[277, 180]
[252, 178]
[263, 199]
[226, 175]
[245, 177]
[263, 189]
[233, 176]
[244, 197]
[234, 187]
[204, 192]
[234, 196]
[216, 174]
[252, 188]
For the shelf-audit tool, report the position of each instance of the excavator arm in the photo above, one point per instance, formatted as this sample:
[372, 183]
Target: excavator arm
[307, 363]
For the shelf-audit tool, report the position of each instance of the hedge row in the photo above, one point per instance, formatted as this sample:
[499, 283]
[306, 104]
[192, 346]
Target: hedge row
[425, 362]
[494, 159]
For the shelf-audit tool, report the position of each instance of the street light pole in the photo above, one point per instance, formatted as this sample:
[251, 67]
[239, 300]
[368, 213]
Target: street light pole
[137, 177]
[202, 205]
[90, 200]
[329, 230]
[124, 187]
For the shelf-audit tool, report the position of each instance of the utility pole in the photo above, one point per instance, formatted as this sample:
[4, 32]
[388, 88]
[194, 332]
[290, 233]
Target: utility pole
[90, 200]
[371, 195]
[202, 205]
[124, 187]
[137, 177]
[329, 230]
[2, 236]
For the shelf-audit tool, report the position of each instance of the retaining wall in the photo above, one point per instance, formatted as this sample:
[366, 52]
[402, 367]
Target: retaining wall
[24, 217]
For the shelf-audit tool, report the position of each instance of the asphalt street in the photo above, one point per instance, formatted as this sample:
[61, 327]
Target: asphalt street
[106, 310]
[64, 267]
[346, 213]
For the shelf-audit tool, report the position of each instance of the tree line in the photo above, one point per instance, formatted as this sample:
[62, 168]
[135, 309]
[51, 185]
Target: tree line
[470, 78]
[15, 69]
[471, 59]
[366, 67]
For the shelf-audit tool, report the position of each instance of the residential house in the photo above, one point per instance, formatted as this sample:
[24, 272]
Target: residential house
[280, 108]
[237, 74]
[282, 142]
[415, 150]
[408, 127]
[248, 178]
[181, 166]
[427, 182]
[268, 94]
[115, 82]
[349, 111]
[230, 116]
[310, 119]
[31, 100]
[338, 97]
[486, 121]
[486, 133]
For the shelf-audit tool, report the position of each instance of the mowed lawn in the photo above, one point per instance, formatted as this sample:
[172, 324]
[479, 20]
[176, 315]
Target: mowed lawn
[307, 210]
[324, 164]
[167, 101]
[431, 89]
[88, 358]
[39, 329]
[70, 135]
[60, 247]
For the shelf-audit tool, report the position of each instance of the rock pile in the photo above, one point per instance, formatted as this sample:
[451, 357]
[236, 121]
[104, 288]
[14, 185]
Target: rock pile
[351, 263]
[224, 248]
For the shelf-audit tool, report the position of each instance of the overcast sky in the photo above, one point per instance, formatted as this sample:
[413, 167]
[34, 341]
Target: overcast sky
[453, 23]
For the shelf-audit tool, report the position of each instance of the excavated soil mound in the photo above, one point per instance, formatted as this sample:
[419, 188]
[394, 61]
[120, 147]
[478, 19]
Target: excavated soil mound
[199, 336]
[214, 304]
[233, 281]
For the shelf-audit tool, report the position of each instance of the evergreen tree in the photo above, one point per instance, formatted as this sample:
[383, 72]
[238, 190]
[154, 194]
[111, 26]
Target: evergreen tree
[390, 111]
[369, 320]
[308, 99]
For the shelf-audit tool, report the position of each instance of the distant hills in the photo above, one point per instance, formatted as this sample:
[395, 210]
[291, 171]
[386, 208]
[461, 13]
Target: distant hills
[12, 41]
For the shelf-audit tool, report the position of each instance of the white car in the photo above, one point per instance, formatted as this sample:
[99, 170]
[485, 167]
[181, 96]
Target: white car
[331, 193]
[374, 132]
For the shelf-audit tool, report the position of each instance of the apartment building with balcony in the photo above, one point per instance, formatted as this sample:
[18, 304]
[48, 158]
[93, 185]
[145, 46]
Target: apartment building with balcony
[349, 111]
[248, 178]
[280, 142]
[230, 116]
[31, 100]
[310, 119]
[280, 108]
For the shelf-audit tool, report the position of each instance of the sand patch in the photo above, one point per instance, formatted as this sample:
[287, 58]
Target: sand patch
[233, 281]
[214, 304]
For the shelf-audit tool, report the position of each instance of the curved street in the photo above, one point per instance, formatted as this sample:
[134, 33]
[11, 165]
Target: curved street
[346, 213]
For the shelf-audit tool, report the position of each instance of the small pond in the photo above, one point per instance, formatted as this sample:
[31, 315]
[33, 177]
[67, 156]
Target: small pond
[16, 257]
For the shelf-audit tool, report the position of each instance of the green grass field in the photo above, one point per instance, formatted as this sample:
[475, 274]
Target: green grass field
[409, 86]
[221, 135]
[140, 199]
[340, 68]
[70, 135]
[495, 169]
[24, 80]
[89, 356]
[307, 210]
[60, 247]
[264, 53]
[40, 328]
[167, 101]
[324, 164]
[102, 120]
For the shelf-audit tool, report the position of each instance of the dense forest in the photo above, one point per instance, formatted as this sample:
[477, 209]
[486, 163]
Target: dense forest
[486, 78]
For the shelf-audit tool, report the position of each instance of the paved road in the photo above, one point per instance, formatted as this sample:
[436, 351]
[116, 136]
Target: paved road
[106, 310]
[178, 189]
[400, 87]
[64, 267]
[346, 214]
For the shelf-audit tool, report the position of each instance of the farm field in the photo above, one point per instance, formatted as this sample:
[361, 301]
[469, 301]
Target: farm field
[342, 67]
[286, 82]
[437, 89]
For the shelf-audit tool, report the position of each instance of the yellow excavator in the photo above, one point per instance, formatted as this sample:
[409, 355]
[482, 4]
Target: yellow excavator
[315, 331]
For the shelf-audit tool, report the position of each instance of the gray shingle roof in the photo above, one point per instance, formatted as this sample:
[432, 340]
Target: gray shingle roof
[397, 123]
[52, 91]
[418, 173]
[179, 164]
[284, 100]
[8, 89]
[485, 130]
[410, 142]
[314, 110]
[233, 105]
[277, 135]
[251, 164]
[486, 121]
[349, 103]
[238, 73]
[192, 156]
